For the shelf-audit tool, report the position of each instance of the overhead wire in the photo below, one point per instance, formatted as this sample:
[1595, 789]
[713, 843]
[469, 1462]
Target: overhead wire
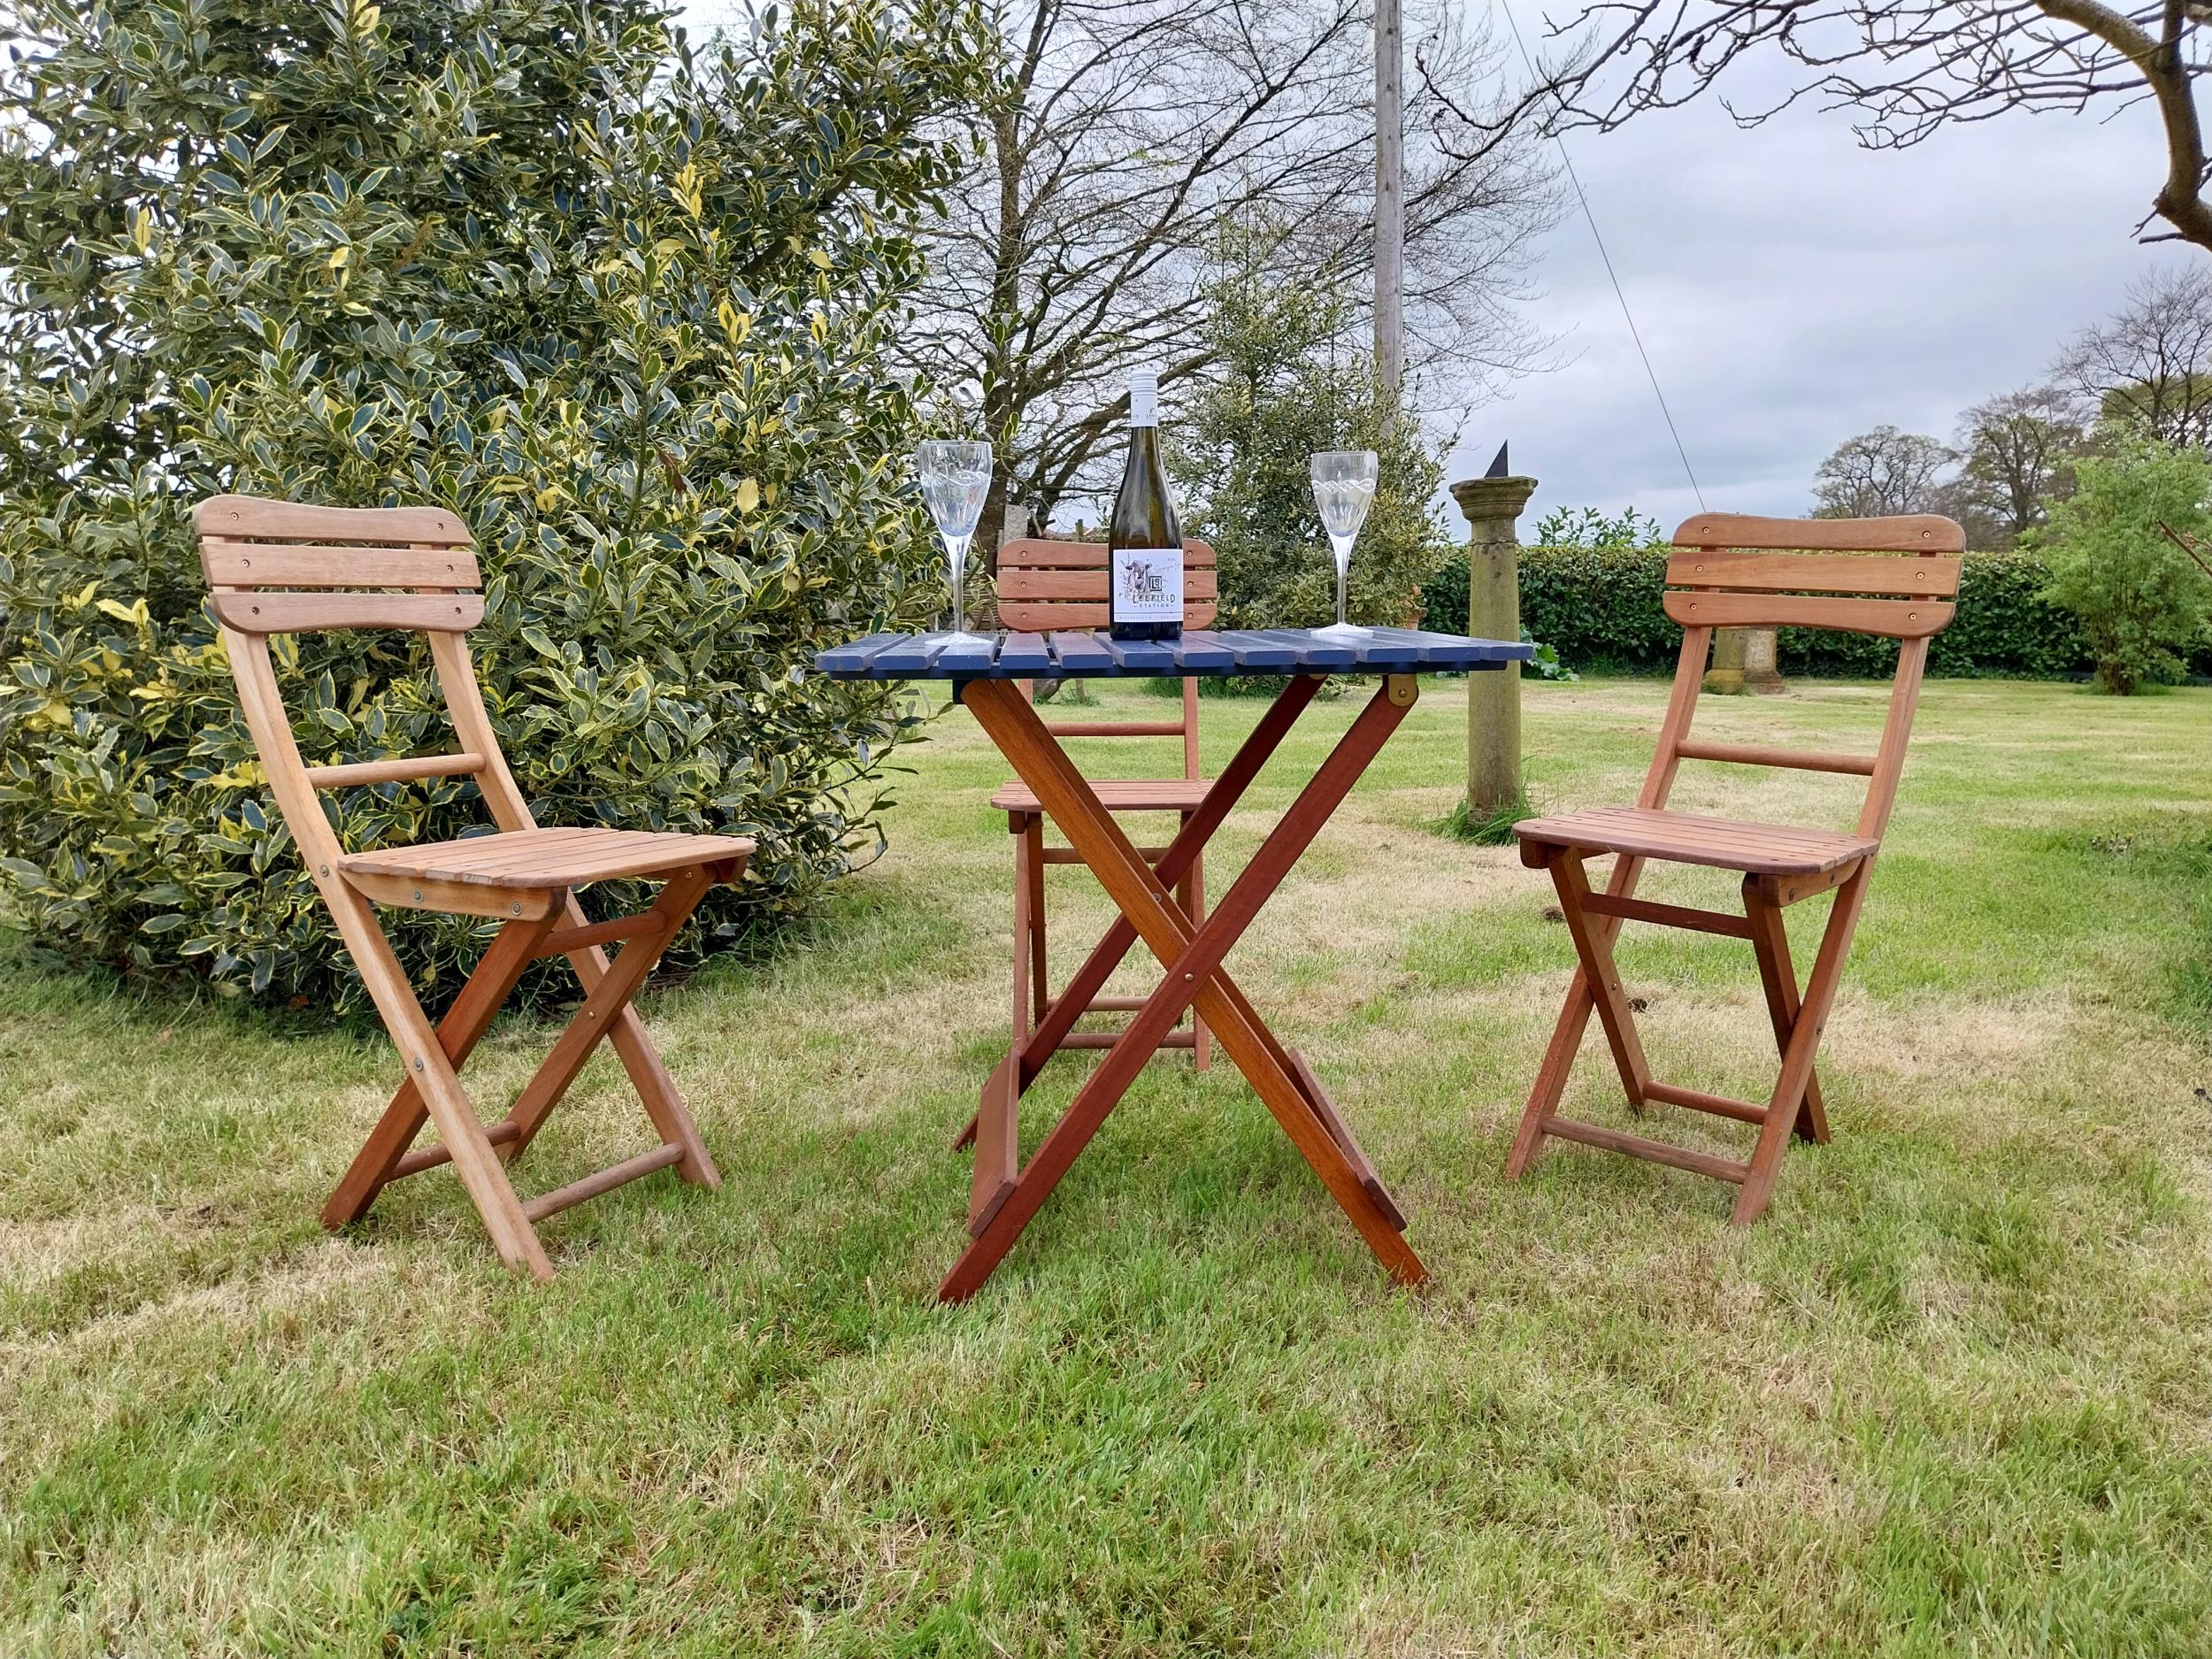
[1612, 276]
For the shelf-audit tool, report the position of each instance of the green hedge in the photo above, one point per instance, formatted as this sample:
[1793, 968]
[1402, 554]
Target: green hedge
[1600, 608]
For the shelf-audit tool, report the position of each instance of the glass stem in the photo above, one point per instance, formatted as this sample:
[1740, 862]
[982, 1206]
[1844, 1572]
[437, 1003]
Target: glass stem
[1343, 563]
[956, 554]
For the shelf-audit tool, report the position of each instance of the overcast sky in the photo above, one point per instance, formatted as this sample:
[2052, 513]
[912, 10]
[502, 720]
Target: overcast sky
[1793, 289]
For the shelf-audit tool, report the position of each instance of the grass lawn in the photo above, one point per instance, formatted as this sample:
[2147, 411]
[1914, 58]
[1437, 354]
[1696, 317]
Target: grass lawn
[1953, 1396]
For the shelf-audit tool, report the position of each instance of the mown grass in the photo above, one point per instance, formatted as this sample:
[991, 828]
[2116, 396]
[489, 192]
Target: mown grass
[1950, 1398]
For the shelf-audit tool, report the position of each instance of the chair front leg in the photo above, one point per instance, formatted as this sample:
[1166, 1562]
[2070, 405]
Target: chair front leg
[1594, 948]
[607, 1000]
[496, 974]
[1550, 1087]
[1804, 1044]
[1771, 943]
[474, 1161]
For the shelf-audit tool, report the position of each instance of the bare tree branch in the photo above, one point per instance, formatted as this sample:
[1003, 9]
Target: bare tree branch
[1909, 68]
[1124, 135]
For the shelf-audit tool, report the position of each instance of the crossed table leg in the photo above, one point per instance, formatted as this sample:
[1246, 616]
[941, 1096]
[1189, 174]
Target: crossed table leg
[1004, 1198]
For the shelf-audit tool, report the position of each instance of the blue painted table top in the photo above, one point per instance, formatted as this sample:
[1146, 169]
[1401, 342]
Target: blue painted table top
[1092, 654]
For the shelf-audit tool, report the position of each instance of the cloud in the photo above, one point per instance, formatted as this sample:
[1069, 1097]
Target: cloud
[1793, 289]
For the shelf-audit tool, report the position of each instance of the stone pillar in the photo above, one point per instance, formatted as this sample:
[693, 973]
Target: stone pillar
[1744, 660]
[1724, 678]
[1493, 508]
[1761, 662]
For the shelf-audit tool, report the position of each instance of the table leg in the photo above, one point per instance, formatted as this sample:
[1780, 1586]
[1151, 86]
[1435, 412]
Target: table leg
[1252, 755]
[1057, 1018]
[1195, 975]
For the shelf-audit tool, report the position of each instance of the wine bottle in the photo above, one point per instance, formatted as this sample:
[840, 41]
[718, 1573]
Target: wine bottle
[1144, 540]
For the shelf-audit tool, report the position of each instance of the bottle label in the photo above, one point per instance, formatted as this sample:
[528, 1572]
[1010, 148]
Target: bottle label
[1148, 584]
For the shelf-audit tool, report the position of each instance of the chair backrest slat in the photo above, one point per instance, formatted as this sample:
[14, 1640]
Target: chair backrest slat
[1731, 570]
[1834, 572]
[234, 564]
[1088, 585]
[280, 567]
[1046, 587]
[1903, 532]
[1891, 618]
[256, 516]
[261, 612]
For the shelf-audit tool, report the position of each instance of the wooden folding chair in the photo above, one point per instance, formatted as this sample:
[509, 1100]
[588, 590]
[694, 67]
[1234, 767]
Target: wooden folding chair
[278, 568]
[1735, 572]
[1045, 587]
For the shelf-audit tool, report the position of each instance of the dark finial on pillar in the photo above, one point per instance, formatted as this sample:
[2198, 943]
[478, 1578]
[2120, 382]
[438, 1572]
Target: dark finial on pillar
[1497, 464]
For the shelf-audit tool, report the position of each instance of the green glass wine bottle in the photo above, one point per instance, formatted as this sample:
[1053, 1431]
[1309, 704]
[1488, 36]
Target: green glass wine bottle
[1144, 540]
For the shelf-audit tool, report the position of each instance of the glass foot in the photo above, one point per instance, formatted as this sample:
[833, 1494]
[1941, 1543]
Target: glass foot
[962, 640]
[1345, 631]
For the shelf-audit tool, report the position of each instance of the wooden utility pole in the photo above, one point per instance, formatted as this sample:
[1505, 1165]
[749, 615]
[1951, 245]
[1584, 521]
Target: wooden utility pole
[1390, 198]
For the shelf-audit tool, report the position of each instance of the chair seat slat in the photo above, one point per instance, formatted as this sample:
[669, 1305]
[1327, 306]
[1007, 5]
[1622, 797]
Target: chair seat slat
[548, 858]
[1680, 838]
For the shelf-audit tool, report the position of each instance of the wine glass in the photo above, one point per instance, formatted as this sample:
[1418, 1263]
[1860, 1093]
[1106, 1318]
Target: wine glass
[1343, 489]
[955, 477]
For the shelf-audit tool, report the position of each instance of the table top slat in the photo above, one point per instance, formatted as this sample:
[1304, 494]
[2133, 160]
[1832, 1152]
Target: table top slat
[1199, 652]
[1025, 654]
[854, 659]
[1082, 653]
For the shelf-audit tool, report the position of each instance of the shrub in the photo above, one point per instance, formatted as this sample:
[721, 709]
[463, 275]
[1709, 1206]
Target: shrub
[618, 306]
[1600, 608]
[1588, 527]
[2141, 600]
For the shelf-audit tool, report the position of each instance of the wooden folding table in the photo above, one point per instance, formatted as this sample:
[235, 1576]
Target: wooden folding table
[1005, 1194]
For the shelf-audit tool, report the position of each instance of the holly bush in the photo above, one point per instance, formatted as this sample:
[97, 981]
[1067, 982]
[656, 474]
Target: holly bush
[619, 303]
